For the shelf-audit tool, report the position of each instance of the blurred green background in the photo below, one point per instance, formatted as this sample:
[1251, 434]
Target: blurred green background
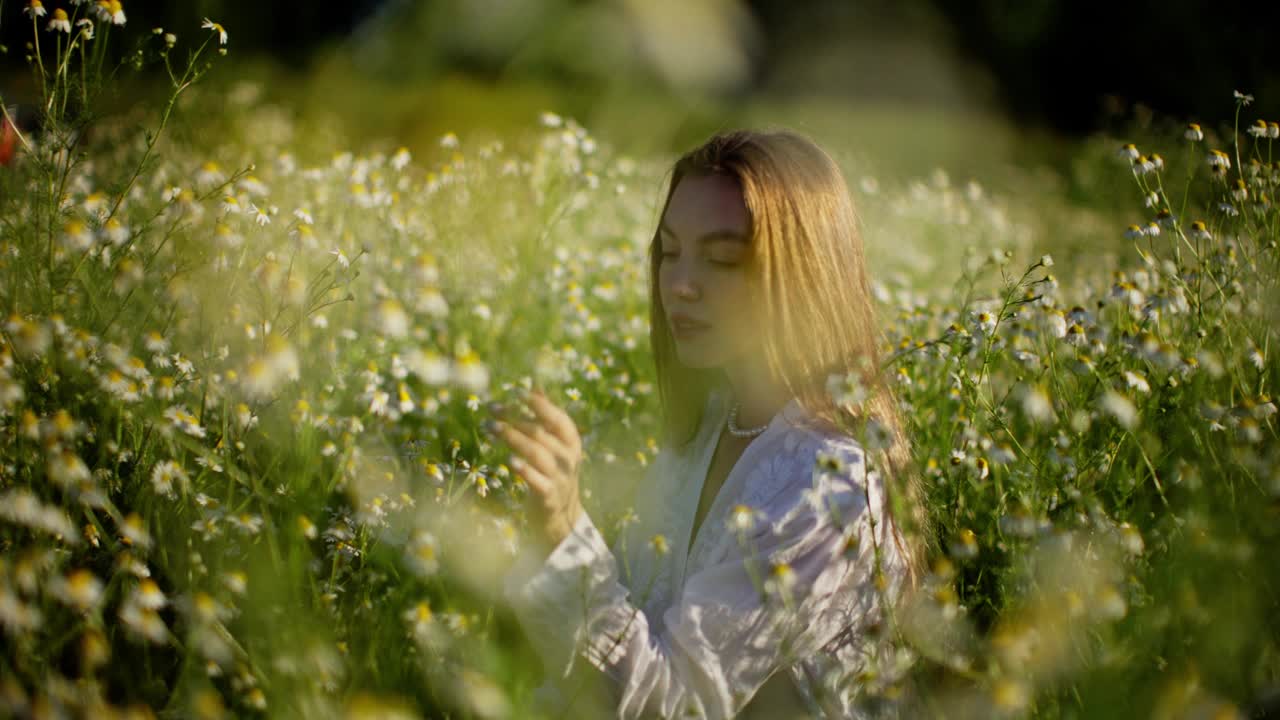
[915, 99]
[989, 89]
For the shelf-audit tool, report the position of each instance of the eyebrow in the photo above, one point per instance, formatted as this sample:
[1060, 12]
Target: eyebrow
[713, 236]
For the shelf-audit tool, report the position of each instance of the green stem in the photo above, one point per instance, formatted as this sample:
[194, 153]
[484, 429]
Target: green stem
[35, 32]
[187, 79]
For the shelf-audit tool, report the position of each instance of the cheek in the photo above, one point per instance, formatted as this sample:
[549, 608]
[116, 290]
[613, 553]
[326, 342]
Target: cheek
[732, 285]
[730, 297]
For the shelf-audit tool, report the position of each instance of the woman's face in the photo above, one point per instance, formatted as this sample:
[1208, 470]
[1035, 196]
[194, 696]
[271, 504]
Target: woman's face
[705, 243]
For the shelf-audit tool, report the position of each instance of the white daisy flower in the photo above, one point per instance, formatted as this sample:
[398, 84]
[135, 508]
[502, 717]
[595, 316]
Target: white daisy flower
[1055, 323]
[391, 318]
[134, 532]
[144, 622]
[208, 24]
[80, 589]
[148, 595]
[67, 470]
[471, 373]
[1240, 192]
[1036, 404]
[22, 507]
[964, 546]
[247, 523]
[1109, 604]
[378, 402]
[166, 474]
[1136, 381]
[17, 617]
[1218, 160]
[424, 628]
[401, 158]
[659, 545]
[1131, 539]
[1119, 407]
[76, 236]
[60, 23]
[422, 553]
[743, 518]
[780, 581]
[111, 11]
[983, 322]
[260, 216]
[116, 232]
[184, 421]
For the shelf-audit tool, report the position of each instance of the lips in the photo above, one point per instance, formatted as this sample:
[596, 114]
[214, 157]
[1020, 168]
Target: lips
[680, 321]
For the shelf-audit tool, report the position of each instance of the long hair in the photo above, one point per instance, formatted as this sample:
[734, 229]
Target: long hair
[807, 275]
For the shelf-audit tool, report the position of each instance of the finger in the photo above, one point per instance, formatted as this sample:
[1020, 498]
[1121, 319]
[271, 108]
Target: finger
[538, 431]
[538, 483]
[565, 459]
[543, 499]
[537, 454]
[560, 460]
[513, 408]
[557, 420]
[519, 409]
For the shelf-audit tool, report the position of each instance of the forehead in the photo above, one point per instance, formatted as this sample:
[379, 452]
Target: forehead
[706, 203]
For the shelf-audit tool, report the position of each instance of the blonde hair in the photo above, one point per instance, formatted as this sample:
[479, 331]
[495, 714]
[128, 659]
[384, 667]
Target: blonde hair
[806, 266]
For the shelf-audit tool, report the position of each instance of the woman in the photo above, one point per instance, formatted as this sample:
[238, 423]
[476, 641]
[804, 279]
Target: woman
[751, 573]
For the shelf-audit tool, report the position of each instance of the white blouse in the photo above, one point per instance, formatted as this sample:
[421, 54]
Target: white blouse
[697, 634]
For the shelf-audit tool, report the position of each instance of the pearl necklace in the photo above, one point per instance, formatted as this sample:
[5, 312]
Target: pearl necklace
[741, 432]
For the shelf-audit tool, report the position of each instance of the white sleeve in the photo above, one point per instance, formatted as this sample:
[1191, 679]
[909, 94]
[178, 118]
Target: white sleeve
[725, 635]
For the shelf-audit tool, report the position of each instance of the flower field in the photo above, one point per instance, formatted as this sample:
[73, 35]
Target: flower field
[244, 362]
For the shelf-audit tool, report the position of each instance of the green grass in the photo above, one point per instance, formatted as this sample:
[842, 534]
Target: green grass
[334, 551]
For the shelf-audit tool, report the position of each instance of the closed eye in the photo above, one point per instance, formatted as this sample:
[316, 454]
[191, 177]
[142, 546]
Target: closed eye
[721, 263]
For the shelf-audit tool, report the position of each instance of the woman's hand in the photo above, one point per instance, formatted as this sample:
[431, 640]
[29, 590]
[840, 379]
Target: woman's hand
[547, 454]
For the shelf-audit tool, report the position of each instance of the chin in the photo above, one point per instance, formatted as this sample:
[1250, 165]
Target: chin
[698, 364]
[690, 359]
[699, 359]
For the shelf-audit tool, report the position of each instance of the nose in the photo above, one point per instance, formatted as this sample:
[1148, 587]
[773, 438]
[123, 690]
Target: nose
[682, 283]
